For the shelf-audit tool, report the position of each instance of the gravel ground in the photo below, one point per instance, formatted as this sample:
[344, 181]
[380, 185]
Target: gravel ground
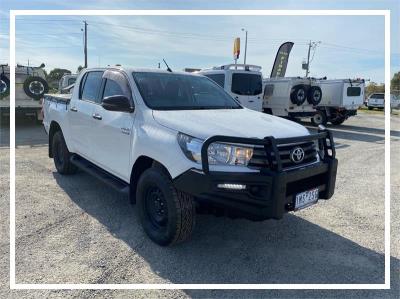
[76, 230]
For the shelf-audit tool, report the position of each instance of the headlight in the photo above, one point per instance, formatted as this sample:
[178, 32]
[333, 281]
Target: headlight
[190, 146]
[218, 153]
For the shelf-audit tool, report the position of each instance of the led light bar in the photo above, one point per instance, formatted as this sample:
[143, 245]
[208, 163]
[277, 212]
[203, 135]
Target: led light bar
[232, 186]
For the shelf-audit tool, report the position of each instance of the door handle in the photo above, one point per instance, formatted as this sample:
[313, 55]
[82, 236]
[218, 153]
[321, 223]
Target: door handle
[74, 109]
[251, 101]
[96, 116]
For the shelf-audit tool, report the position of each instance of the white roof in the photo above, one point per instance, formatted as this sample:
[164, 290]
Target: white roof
[129, 69]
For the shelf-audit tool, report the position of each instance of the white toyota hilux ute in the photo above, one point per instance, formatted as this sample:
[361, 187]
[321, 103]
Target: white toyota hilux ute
[177, 143]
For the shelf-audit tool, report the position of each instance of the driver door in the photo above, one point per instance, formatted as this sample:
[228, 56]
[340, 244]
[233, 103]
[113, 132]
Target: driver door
[114, 130]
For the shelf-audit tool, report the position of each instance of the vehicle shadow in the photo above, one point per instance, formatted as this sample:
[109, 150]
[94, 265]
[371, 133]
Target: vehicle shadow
[359, 129]
[338, 132]
[27, 133]
[222, 250]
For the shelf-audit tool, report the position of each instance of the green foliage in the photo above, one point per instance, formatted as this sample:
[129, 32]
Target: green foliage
[374, 87]
[395, 84]
[56, 74]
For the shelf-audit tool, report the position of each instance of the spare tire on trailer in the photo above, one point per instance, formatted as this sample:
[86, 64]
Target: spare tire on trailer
[4, 86]
[35, 87]
[314, 95]
[298, 94]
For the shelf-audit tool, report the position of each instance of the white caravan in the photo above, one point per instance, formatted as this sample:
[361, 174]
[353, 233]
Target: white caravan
[292, 97]
[340, 99]
[242, 82]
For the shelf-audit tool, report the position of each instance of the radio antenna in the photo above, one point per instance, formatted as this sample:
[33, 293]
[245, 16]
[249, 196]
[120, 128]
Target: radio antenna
[168, 68]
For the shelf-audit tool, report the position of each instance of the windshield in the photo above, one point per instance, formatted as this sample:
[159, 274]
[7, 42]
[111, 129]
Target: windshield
[246, 84]
[378, 96]
[169, 91]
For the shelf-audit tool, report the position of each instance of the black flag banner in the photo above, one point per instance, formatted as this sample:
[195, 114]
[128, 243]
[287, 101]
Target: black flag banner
[281, 60]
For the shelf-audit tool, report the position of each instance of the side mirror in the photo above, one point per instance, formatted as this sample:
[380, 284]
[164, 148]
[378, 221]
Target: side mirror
[42, 65]
[117, 103]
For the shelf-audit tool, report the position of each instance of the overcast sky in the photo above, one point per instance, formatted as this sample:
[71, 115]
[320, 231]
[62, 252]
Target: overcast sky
[351, 46]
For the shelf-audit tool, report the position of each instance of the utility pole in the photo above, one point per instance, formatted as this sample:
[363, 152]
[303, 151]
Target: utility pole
[308, 60]
[313, 46]
[85, 44]
[245, 47]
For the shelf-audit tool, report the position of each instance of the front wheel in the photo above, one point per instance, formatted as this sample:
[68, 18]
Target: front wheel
[370, 108]
[319, 118]
[167, 214]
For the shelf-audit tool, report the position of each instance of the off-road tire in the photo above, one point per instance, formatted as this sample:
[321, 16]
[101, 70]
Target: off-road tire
[5, 81]
[314, 95]
[61, 155]
[298, 94]
[38, 83]
[338, 121]
[319, 118]
[180, 208]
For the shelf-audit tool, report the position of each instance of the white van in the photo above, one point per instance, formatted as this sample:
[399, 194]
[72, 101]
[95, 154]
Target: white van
[292, 97]
[242, 82]
[66, 83]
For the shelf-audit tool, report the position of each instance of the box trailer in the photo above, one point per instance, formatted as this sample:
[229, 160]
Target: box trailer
[293, 97]
[30, 86]
[340, 99]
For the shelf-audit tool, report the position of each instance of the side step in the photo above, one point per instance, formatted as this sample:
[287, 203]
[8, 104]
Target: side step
[100, 174]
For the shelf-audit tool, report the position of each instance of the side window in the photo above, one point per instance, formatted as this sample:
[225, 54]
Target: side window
[112, 88]
[217, 78]
[91, 86]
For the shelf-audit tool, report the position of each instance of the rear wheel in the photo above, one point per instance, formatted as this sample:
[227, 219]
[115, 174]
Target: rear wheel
[167, 214]
[319, 118]
[336, 118]
[61, 155]
[338, 121]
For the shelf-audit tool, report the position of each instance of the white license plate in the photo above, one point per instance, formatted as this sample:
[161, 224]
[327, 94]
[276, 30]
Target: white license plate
[306, 198]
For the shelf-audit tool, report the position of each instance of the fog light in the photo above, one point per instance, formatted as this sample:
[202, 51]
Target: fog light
[232, 186]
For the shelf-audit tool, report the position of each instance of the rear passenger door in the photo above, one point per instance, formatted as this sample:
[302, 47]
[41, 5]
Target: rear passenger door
[81, 113]
[114, 130]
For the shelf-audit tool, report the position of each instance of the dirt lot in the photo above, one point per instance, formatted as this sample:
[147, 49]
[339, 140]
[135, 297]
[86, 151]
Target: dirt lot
[76, 230]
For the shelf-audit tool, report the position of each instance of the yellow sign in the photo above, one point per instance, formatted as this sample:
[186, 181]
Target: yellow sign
[236, 48]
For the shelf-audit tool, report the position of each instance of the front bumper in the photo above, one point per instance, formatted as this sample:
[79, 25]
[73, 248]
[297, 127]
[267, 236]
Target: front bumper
[376, 105]
[268, 194]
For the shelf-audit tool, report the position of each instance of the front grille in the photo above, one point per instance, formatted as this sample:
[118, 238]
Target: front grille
[260, 158]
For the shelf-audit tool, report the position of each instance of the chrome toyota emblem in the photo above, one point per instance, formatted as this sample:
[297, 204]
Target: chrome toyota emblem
[297, 154]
